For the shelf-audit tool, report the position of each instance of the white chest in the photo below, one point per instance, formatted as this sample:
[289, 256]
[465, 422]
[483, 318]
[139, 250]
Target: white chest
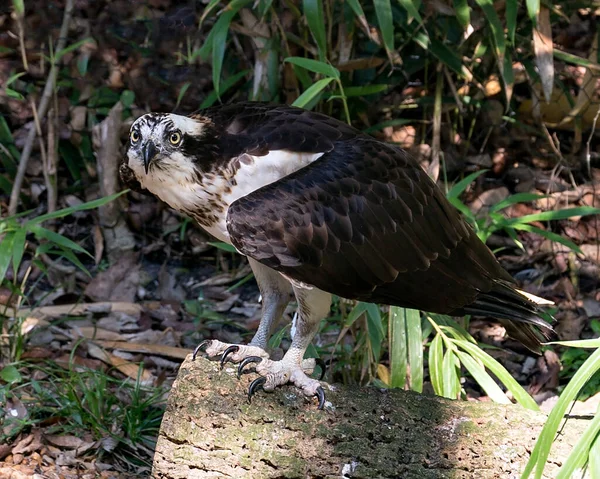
[207, 197]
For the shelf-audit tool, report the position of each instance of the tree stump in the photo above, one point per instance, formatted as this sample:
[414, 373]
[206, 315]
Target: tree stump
[210, 430]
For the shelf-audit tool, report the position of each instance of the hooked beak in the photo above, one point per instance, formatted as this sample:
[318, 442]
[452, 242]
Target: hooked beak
[150, 151]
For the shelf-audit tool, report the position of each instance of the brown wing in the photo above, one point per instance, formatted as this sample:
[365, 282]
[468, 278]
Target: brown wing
[257, 128]
[366, 222]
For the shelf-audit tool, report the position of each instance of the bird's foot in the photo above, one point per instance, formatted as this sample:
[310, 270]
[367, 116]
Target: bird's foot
[230, 352]
[278, 373]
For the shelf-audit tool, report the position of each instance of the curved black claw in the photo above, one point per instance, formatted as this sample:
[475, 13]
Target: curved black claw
[199, 347]
[256, 384]
[230, 350]
[245, 362]
[319, 362]
[321, 395]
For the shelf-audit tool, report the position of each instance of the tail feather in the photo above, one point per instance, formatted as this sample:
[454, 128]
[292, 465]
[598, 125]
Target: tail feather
[518, 311]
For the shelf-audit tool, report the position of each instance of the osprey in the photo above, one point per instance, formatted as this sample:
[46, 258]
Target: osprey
[320, 208]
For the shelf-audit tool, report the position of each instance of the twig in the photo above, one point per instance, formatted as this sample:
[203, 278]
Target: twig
[42, 109]
[51, 161]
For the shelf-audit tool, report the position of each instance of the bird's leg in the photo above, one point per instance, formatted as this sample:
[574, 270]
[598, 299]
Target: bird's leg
[313, 306]
[276, 293]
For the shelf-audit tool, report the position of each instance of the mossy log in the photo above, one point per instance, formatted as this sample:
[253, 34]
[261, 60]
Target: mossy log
[210, 430]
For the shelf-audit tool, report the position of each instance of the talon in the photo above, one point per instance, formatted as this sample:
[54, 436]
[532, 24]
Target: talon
[199, 347]
[231, 349]
[245, 362]
[256, 384]
[319, 362]
[320, 394]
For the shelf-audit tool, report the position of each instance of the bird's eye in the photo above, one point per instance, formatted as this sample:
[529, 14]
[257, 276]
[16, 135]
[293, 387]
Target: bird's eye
[175, 138]
[134, 136]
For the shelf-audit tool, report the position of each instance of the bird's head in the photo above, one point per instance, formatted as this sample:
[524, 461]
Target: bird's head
[161, 141]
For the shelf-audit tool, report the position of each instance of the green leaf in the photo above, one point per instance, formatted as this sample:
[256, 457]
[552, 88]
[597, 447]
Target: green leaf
[10, 374]
[13, 78]
[595, 455]
[353, 91]
[549, 235]
[483, 378]
[554, 215]
[90, 205]
[541, 450]
[72, 47]
[450, 375]
[70, 256]
[533, 10]
[463, 12]
[356, 8]
[312, 92]
[398, 347]
[436, 357]
[19, 7]
[18, 248]
[520, 395]
[495, 25]
[356, 312]
[223, 246]
[383, 11]
[581, 450]
[411, 9]
[375, 329]
[514, 199]
[584, 343]
[127, 98]
[6, 254]
[443, 53]
[219, 43]
[275, 340]
[57, 239]
[462, 185]
[315, 66]
[510, 14]
[313, 11]
[225, 86]
[576, 60]
[415, 348]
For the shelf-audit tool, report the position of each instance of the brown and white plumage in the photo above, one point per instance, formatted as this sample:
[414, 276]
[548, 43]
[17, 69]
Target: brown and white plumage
[329, 208]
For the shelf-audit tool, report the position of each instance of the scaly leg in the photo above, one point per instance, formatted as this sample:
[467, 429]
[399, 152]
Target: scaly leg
[313, 306]
[276, 293]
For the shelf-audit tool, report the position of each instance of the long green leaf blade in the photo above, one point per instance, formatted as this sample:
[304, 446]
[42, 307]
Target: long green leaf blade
[450, 375]
[415, 348]
[520, 395]
[398, 347]
[311, 92]
[555, 215]
[496, 26]
[412, 9]
[541, 450]
[6, 255]
[315, 66]
[313, 10]
[56, 238]
[581, 451]
[383, 11]
[436, 356]
[462, 185]
[483, 378]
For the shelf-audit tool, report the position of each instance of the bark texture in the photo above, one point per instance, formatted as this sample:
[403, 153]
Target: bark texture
[210, 430]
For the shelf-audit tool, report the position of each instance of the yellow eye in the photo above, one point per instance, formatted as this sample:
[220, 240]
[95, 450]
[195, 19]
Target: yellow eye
[175, 138]
[134, 136]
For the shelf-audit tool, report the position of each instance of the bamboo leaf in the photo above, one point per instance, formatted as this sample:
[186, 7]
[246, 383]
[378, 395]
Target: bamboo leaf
[18, 248]
[581, 450]
[514, 199]
[312, 92]
[520, 395]
[533, 10]
[315, 66]
[549, 235]
[483, 378]
[415, 348]
[313, 11]
[451, 380]
[554, 215]
[463, 12]
[57, 239]
[411, 9]
[6, 244]
[383, 11]
[512, 7]
[436, 357]
[541, 450]
[496, 27]
[398, 347]
[462, 185]
[375, 329]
